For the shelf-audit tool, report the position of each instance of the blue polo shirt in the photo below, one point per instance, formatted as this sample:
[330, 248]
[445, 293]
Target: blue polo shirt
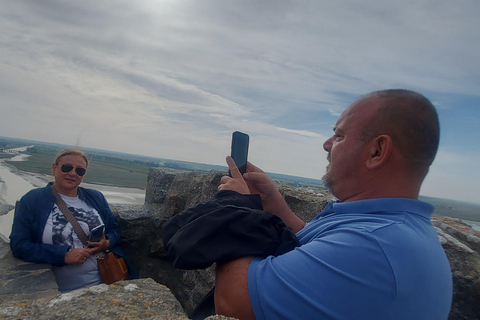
[369, 259]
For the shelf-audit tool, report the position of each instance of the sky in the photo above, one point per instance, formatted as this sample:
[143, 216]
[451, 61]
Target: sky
[173, 79]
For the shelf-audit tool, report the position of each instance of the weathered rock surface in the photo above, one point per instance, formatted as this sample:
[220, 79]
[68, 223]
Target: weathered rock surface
[168, 193]
[135, 299]
[24, 281]
[29, 291]
[462, 246]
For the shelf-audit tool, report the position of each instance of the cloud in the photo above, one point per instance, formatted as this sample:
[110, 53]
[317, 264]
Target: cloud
[173, 79]
[454, 176]
[301, 132]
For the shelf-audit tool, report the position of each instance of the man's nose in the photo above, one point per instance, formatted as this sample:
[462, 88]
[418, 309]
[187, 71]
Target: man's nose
[327, 145]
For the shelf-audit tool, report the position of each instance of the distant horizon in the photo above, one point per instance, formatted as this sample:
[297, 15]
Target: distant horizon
[144, 156]
[212, 166]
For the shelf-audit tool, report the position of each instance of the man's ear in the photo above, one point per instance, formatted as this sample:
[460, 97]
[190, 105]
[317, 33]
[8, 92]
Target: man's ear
[380, 150]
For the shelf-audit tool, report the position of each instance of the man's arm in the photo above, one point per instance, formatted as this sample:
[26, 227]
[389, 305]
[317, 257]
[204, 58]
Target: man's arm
[231, 289]
[275, 203]
[255, 181]
[231, 285]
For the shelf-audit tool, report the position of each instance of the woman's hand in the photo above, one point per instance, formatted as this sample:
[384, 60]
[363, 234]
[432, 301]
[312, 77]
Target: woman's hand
[77, 256]
[100, 246]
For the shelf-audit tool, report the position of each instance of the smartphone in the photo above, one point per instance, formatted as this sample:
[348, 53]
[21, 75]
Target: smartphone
[239, 151]
[96, 233]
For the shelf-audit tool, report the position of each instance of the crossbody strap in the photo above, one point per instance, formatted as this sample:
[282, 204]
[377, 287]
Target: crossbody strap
[66, 212]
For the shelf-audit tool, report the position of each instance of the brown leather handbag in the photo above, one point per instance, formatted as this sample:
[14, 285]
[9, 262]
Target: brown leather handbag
[112, 267]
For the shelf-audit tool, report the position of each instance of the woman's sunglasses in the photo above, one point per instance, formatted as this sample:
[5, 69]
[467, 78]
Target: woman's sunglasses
[68, 167]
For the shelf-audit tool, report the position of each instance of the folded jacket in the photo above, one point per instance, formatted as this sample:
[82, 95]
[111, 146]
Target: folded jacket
[228, 227]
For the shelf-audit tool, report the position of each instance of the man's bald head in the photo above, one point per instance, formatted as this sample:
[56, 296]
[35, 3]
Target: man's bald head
[410, 120]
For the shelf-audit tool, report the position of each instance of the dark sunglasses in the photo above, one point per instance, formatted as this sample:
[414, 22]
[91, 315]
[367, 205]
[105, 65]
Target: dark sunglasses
[68, 167]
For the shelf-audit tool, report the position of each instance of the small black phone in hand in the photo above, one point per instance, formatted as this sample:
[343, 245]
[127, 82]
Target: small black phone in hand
[96, 233]
[239, 151]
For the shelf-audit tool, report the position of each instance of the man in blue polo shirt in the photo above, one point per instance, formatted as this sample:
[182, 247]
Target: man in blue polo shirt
[373, 254]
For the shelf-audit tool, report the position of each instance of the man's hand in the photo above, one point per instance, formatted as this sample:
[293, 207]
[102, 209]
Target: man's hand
[236, 182]
[255, 181]
[259, 182]
[272, 201]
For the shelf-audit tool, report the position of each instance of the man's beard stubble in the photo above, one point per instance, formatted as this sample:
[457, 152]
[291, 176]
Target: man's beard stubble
[327, 181]
[327, 177]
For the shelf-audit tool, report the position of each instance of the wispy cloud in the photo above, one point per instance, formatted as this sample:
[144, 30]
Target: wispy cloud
[301, 132]
[174, 78]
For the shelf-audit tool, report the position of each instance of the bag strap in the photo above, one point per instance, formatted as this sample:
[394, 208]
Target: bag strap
[68, 214]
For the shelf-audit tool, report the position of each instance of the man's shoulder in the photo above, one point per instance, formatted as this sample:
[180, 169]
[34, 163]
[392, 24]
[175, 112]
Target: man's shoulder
[361, 221]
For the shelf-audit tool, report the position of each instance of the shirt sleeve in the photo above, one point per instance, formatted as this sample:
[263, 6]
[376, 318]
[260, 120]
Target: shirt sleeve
[25, 238]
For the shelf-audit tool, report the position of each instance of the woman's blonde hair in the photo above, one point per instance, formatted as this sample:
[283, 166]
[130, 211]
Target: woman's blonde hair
[71, 152]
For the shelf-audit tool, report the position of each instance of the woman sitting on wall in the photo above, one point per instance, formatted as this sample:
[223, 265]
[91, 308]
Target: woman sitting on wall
[41, 233]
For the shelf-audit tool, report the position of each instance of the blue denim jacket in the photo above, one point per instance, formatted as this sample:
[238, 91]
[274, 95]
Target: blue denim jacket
[31, 215]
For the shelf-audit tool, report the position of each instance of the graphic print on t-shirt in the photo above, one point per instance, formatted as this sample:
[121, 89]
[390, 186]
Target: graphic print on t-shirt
[62, 231]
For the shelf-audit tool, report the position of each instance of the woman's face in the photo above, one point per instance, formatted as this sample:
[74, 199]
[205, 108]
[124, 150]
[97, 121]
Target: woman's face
[67, 182]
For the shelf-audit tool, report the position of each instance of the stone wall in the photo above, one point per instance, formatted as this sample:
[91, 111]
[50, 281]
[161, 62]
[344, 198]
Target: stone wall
[29, 291]
[168, 193]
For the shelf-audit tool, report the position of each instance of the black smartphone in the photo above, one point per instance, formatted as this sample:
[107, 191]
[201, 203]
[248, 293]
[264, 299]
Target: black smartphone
[239, 151]
[96, 233]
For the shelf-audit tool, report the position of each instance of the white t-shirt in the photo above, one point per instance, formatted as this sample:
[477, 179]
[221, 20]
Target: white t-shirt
[59, 231]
